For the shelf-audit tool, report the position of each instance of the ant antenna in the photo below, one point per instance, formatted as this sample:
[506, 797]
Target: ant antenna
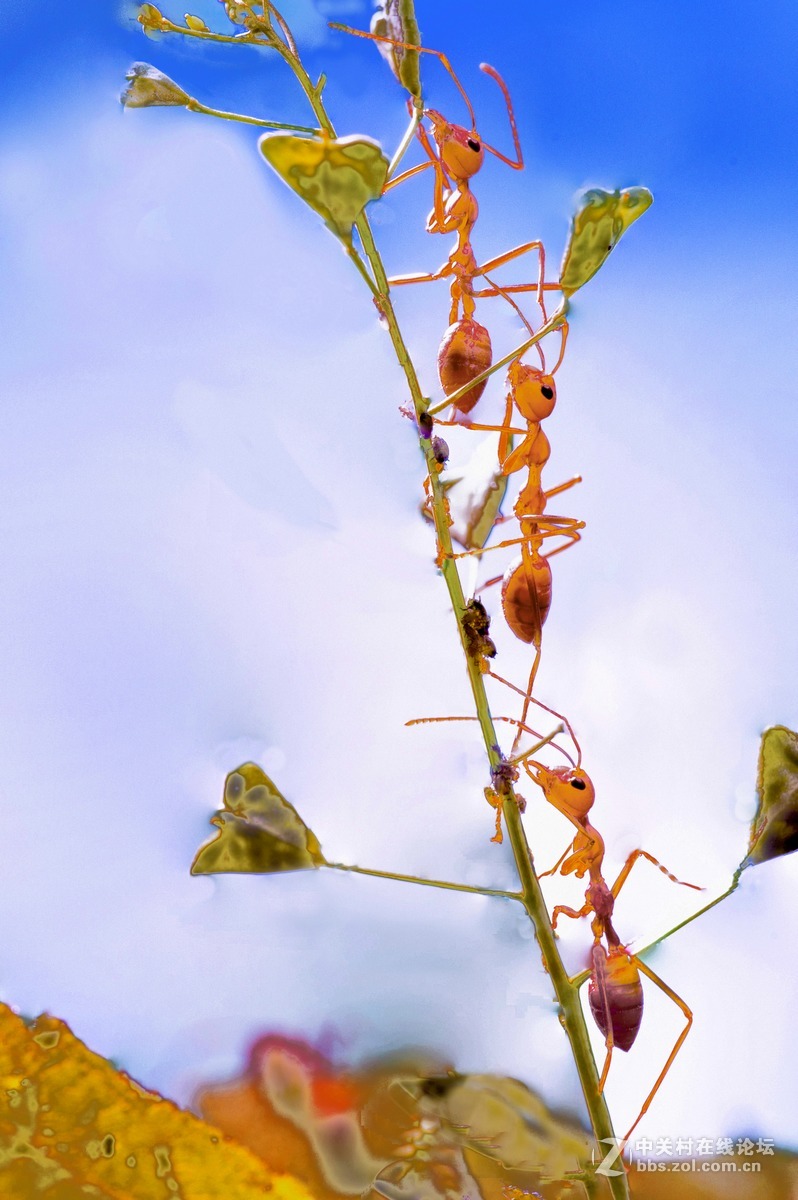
[518, 164]
[539, 703]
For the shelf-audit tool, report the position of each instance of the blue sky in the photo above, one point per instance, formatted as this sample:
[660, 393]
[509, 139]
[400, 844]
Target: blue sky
[213, 548]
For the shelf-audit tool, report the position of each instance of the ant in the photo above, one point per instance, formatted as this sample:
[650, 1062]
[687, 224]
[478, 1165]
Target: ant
[456, 157]
[615, 991]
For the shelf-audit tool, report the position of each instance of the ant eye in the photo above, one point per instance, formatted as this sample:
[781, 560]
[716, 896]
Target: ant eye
[547, 392]
[579, 784]
[472, 145]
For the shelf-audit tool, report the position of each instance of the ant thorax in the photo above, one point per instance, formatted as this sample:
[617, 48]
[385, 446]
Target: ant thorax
[461, 208]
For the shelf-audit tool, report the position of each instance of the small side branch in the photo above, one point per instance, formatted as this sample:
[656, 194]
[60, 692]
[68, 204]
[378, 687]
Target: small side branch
[436, 883]
[195, 106]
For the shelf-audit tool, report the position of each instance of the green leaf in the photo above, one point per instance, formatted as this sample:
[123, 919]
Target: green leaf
[774, 829]
[396, 19]
[259, 831]
[336, 177]
[596, 228]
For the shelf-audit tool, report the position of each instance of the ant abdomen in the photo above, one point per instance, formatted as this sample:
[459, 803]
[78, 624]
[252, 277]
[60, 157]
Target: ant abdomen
[525, 610]
[619, 991]
[464, 353]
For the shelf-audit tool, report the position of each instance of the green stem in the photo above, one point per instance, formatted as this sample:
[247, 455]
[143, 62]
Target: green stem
[195, 106]
[735, 881]
[361, 267]
[578, 980]
[436, 883]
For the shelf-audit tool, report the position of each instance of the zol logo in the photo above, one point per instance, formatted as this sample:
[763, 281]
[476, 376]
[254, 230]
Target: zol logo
[605, 1167]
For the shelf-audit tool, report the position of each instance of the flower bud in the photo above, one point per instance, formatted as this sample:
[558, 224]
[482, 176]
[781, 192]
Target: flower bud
[150, 17]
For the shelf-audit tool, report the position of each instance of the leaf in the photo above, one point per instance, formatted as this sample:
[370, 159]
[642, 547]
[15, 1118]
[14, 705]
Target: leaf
[396, 19]
[406, 1123]
[774, 829]
[336, 177]
[148, 87]
[475, 497]
[71, 1125]
[596, 228]
[259, 831]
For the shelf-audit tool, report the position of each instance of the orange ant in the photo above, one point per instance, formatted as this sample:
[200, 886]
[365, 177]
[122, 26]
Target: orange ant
[615, 991]
[465, 350]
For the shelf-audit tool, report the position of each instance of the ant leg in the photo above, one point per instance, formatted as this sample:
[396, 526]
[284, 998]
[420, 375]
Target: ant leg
[540, 288]
[562, 487]
[421, 276]
[677, 1000]
[487, 429]
[538, 703]
[553, 870]
[564, 910]
[408, 174]
[489, 583]
[600, 978]
[528, 697]
[630, 862]
[508, 256]
[496, 801]
[573, 535]
[545, 527]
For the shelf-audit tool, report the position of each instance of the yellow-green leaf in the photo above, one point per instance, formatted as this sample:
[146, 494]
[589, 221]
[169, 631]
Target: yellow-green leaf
[596, 228]
[259, 831]
[336, 177]
[475, 497]
[774, 829]
[396, 19]
[72, 1126]
[148, 87]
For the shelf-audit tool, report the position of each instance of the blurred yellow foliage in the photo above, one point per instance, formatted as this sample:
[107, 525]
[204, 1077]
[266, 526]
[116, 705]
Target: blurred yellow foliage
[72, 1126]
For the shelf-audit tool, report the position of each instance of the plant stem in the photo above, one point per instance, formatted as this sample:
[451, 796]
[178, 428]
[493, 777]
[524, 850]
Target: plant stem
[578, 980]
[195, 106]
[436, 883]
[570, 1009]
[735, 881]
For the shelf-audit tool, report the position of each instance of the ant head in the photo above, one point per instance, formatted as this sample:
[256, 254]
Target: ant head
[461, 150]
[534, 392]
[567, 787]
